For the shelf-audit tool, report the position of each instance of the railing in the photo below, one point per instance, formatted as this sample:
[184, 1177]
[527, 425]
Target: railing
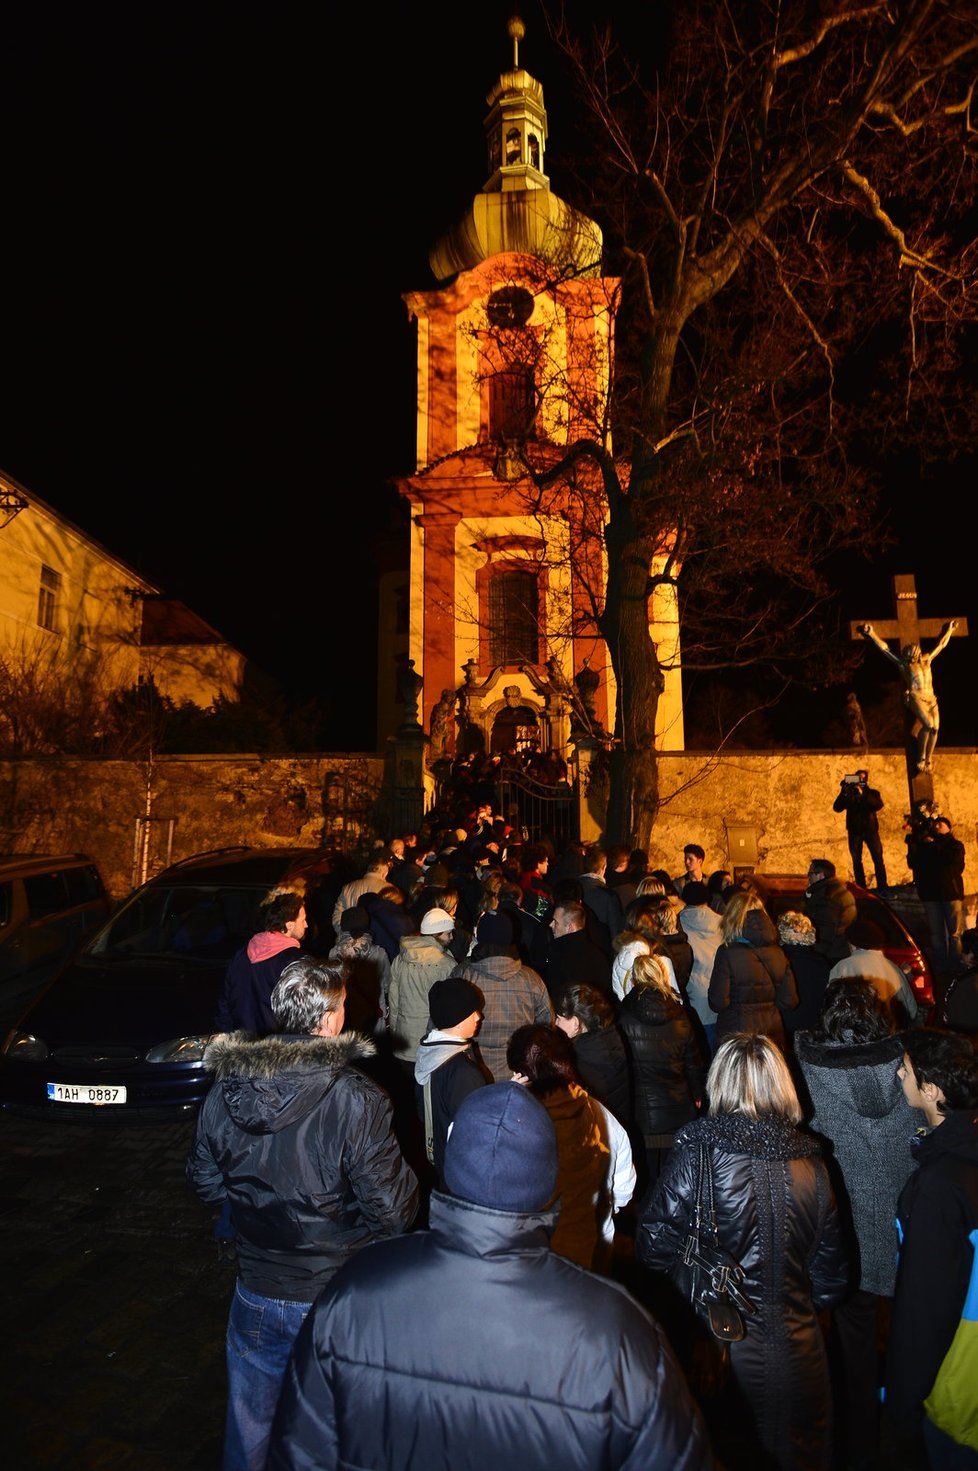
[540, 811]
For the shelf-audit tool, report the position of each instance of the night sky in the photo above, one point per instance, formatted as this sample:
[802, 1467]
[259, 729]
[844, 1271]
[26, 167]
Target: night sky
[210, 212]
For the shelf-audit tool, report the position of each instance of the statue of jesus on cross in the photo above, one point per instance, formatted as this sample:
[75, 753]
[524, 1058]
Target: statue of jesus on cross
[914, 665]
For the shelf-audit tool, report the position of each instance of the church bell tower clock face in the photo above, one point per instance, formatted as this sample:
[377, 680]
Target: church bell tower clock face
[510, 306]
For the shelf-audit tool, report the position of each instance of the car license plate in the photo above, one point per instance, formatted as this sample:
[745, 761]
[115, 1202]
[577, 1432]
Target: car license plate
[85, 1093]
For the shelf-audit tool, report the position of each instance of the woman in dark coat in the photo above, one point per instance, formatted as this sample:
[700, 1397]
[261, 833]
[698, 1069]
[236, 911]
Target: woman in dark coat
[752, 982]
[809, 967]
[668, 1076]
[849, 1065]
[586, 1016]
[776, 1215]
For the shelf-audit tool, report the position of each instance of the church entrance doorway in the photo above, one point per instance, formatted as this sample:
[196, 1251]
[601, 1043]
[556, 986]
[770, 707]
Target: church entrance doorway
[515, 732]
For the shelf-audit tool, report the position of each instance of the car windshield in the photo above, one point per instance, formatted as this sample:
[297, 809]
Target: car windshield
[202, 922]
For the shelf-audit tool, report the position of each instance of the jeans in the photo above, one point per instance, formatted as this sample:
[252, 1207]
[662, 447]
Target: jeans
[875, 846]
[261, 1332]
[945, 921]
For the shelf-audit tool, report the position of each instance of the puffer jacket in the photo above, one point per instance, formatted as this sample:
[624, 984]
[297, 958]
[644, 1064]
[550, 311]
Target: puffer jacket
[752, 982]
[514, 996]
[858, 1107]
[300, 1143]
[667, 1070]
[420, 962]
[419, 1355]
[776, 1214]
[602, 1063]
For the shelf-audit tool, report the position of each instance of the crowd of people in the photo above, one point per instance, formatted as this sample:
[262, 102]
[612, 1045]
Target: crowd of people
[464, 1106]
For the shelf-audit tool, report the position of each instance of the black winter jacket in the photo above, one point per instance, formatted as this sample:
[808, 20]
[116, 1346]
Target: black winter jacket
[473, 1346]
[447, 1067]
[937, 1212]
[752, 982]
[831, 906]
[775, 1214]
[300, 1143]
[667, 1070]
[860, 804]
[575, 960]
[602, 1063]
[938, 866]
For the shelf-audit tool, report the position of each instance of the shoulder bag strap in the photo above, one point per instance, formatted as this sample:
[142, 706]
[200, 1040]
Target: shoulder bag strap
[429, 1133]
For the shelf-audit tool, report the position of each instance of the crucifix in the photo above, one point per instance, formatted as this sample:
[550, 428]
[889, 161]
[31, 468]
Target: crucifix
[914, 667]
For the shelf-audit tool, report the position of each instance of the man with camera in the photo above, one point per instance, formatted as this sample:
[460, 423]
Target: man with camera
[936, 859]
[861, 802]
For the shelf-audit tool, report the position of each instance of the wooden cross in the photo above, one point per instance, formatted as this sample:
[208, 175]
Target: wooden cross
[908, 628]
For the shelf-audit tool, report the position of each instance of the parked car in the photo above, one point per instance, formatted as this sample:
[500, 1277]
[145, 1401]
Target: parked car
[781, 891]
[47, 906]
[123, 1027]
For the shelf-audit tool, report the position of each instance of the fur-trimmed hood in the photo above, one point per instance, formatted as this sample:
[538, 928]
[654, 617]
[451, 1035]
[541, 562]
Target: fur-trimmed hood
[271, 1082]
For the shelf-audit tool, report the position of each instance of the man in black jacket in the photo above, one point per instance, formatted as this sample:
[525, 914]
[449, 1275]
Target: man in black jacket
[936, 858]
[861, 802]
[299, 1143]
[831, 907]
[937, 1219]
[574, 959]
[473, 1345]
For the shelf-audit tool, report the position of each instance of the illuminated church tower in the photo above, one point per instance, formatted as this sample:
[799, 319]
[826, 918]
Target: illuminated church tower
[515, 361]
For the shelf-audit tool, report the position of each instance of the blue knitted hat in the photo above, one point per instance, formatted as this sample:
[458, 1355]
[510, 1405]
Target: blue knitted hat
[502, 1150]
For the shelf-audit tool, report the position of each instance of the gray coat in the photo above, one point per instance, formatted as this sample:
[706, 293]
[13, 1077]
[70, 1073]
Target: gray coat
[858, 1107]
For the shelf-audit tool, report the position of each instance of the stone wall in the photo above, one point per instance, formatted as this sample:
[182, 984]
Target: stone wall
[61, 804]
[52, 805]
[787, 797]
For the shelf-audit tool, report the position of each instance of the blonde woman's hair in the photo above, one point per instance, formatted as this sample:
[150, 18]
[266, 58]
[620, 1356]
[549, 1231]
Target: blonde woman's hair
[795, 928]
[648, 973]
[649, 885]
[738, 906]
[750, 1076]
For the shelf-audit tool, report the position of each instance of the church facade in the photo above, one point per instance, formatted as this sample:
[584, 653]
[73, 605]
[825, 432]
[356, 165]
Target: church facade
[500, 611]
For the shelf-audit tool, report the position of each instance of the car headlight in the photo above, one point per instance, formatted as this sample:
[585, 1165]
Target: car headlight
[179, 1049]
[25, 1047]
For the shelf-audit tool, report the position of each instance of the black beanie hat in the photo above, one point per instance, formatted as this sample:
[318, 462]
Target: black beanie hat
[451, 1001]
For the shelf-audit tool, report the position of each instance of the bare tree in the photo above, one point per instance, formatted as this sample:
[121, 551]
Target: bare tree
[786, 185]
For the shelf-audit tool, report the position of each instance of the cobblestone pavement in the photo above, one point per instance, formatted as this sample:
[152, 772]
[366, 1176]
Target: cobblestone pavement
[113, 1343]
[113, 1350]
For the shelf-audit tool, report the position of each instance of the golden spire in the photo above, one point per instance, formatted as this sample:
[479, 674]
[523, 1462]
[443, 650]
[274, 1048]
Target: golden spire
[516, 30]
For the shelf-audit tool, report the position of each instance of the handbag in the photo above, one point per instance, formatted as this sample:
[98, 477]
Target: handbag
[708, 1277]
